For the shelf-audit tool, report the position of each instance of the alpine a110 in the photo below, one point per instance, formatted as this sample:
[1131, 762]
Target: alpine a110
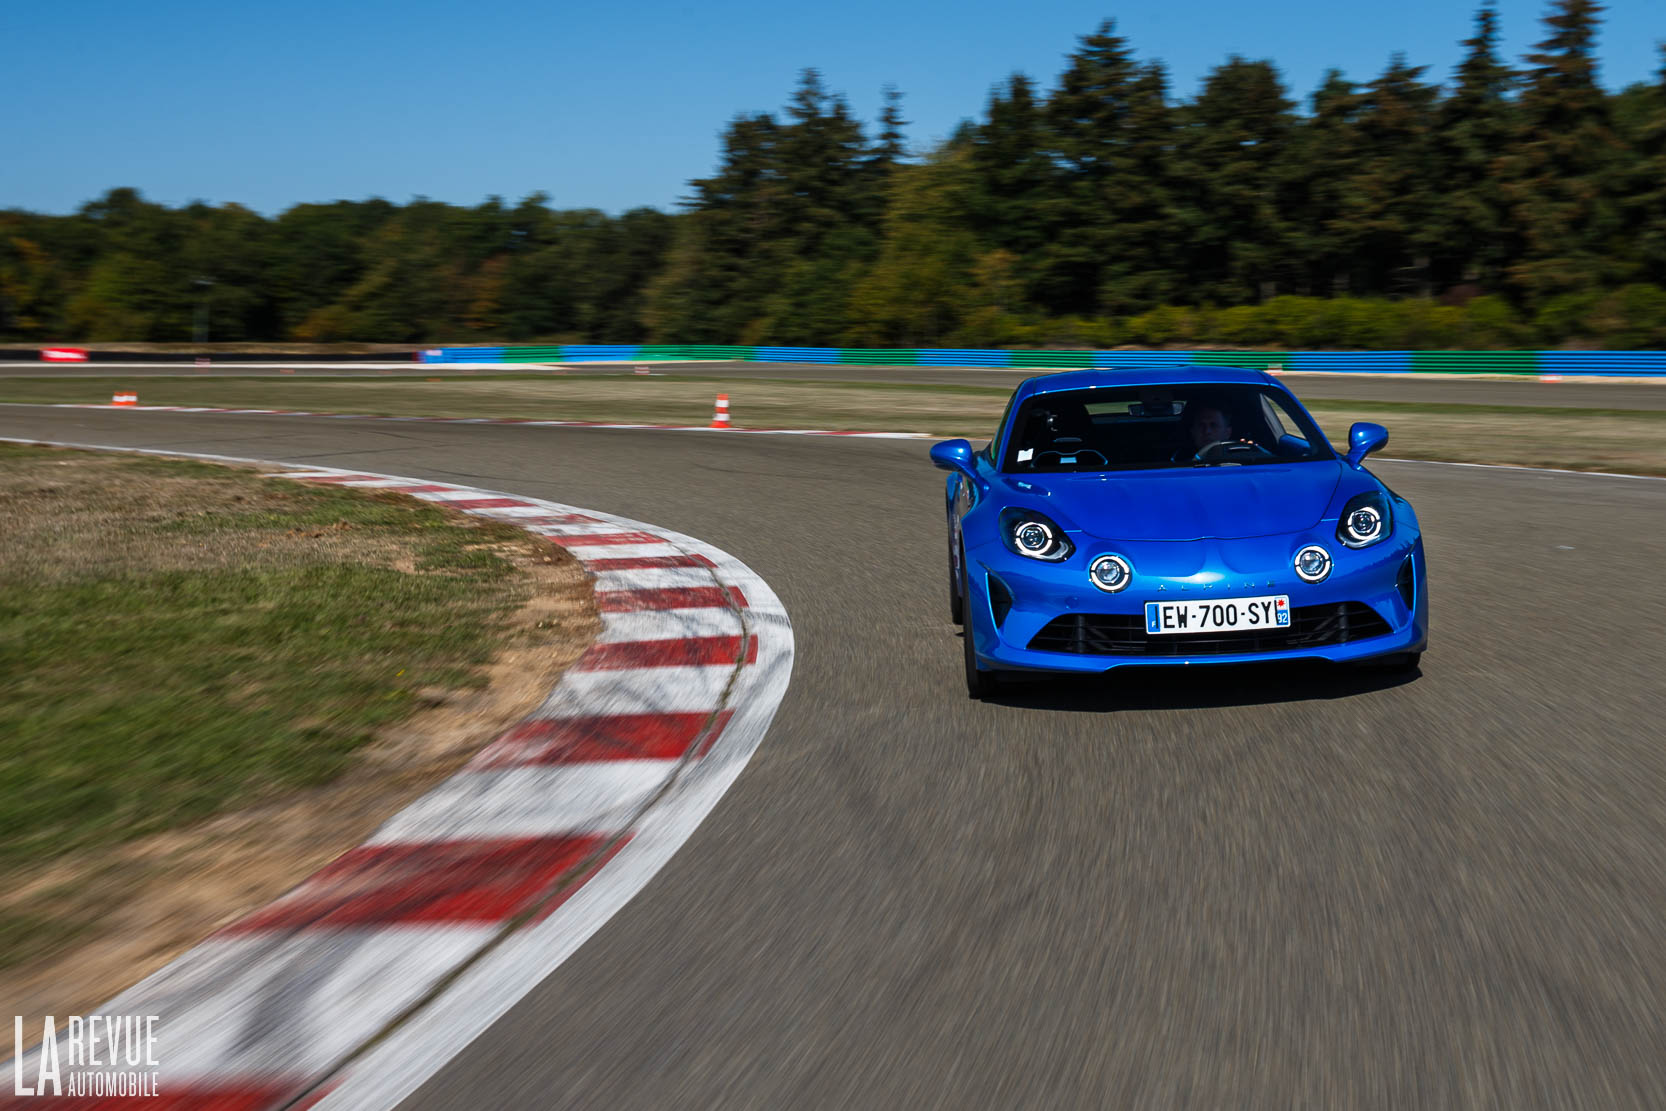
[1175, 517]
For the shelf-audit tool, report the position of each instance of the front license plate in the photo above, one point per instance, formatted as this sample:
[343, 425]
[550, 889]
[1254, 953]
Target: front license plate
[1221, 615]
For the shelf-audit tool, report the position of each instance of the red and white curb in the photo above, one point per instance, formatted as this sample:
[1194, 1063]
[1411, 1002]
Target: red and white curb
[524, 422]
[357, 985]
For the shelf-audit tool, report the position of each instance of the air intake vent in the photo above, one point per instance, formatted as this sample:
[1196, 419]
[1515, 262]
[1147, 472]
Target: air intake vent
[1000, 600]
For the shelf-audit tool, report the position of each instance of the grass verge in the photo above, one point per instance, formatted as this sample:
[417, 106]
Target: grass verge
[180, 640]
[1547, 436]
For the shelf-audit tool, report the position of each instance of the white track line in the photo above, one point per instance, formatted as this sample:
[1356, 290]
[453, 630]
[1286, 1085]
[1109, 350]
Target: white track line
[1528, 470]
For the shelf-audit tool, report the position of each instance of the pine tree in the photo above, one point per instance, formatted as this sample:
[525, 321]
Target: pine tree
[1142, 268]
[1644, 182]
[1325, 157]
[830, 226]
[889, 147]
[1106, 222]
[820, 159]
[1558, 175]
[1014, 174]
[1235, 148]
[1467, 240]
[881, 160]
[1382, 222]
[729, 250]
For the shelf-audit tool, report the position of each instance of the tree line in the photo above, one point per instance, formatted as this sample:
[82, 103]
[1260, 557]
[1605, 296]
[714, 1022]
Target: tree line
[1507, 205]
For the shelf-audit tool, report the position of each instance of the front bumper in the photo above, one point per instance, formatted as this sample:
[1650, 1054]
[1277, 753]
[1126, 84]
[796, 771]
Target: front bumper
[1190, 571]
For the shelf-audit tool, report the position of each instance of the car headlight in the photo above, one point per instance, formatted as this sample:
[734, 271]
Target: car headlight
[1312, 564]
[1366, 520]
[1034, 535]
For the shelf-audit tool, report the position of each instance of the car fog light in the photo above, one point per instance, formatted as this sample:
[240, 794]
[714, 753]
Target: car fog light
[1313, 564]
[1111, 573]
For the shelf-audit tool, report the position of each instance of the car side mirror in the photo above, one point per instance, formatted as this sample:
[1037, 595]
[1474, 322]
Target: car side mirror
[956, 455]
[1363, 439]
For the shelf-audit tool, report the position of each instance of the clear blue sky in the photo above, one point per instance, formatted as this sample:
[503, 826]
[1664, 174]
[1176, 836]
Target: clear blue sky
[605, 105]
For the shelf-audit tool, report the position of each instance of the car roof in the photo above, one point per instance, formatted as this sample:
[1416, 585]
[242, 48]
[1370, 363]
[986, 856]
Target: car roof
[1190, 375]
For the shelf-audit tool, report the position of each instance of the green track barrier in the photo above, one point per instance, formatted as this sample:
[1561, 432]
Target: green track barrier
[695, 351]
[1249, 360]
[532, 354]
[1475, 362]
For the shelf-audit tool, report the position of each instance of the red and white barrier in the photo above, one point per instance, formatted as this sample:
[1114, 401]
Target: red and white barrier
[63, 355]
[124, 400]
[720, 415]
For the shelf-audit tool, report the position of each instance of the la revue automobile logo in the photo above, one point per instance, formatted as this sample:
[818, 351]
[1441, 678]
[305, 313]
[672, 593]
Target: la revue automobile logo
[96, 1056]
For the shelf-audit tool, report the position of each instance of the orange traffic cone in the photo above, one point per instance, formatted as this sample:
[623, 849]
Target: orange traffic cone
[720, 415]
[124, 399]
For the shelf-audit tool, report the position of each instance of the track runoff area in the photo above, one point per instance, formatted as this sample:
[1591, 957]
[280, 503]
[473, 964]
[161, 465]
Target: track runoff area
[1464, 389]
[1275, 885]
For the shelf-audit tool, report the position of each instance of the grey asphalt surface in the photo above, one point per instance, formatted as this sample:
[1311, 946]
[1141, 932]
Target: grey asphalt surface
[1273, 887]
[1454, 390]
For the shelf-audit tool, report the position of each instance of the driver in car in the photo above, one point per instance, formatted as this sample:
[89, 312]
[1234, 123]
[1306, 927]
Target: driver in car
[1207, 424]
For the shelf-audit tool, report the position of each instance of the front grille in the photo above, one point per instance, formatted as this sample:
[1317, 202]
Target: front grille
[1123, 634]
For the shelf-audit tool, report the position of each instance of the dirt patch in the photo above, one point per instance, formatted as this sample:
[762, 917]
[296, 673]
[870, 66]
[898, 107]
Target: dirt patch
[111, 913]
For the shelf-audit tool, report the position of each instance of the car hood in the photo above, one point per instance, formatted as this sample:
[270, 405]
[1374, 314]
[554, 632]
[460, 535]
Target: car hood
[1190, 503]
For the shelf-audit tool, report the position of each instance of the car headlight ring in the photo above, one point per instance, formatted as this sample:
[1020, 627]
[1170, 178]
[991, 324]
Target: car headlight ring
[1111, 573]
[1034, 535]
[1312, 564]
[1365, 520]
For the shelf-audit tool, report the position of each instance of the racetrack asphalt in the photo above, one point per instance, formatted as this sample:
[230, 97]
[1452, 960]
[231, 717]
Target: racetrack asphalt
[1442, 389]
[1268, 887]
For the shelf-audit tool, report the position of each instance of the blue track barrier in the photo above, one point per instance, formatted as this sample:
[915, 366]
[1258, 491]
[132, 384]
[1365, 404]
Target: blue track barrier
[589, 353]
[1618, 364]
[797, 355]
[463, 355]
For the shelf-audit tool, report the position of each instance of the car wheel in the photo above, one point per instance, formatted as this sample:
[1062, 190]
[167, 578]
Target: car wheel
[957, 599]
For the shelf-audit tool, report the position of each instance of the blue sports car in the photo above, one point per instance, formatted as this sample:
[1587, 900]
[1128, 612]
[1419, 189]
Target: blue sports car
[1171, 517]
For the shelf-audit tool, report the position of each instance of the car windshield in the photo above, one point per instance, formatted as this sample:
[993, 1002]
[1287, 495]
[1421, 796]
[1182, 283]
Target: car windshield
[1118, 428]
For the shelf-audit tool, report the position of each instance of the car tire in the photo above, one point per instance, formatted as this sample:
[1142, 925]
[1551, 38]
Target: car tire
[957, 597]
[979, 684]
